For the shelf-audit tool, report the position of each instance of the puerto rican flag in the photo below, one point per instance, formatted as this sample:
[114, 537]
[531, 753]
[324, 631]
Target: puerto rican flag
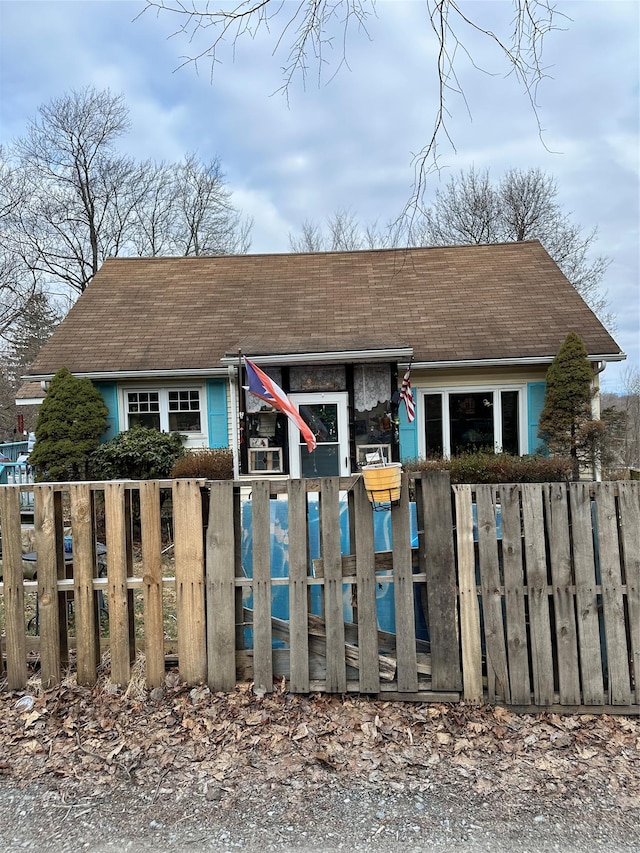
[264, 387]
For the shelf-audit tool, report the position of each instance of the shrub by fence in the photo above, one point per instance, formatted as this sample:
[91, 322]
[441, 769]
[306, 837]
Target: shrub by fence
[526, 594]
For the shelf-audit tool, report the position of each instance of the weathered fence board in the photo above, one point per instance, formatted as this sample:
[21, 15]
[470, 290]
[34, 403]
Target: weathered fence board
[557, 519]
[369, 672]
[298, 588]
[403, 594]
[151, 541]
[190, 592]
[220, 574]
[470, 634]
[629, 503]
[437, 561]
[87, 617]
[333, 589]
[491, 595]
[13, 588]
[116, 523]
[584, 566]
[514, 595]
[612, 600]
[538, 595]
[52, 604]
[262, 639]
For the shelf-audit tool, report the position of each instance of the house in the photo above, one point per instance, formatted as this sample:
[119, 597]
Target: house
[162, 340]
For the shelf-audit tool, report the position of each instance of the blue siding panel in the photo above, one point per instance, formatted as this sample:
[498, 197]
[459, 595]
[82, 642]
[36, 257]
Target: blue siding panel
[535, 405]
[217, 412]
[109, 393]
[408, 435]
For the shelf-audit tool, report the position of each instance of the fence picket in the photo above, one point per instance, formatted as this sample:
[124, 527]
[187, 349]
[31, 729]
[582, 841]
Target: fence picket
[494, 630]
[262, 630]
[612, 601]
[151, 535]
[557, 518]
[117, 571]
[630, 533]
[366, 590]
[336, 681]
[52, 604]
[469, 607]
[190, 592]
[538, 594]
[84, 570]
[13, 588]
[584, 567]
[403, 593]
[298, 587]
[437, 561]
[220, 574]
[514, 598]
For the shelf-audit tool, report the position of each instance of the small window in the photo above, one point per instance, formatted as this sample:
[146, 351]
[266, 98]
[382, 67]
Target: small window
[184, 411]
[143, 408]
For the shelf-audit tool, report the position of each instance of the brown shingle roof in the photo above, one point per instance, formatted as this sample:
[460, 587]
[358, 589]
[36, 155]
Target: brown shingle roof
[457, 303]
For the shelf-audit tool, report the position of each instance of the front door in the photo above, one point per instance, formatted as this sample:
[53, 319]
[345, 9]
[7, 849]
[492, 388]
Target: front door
[326, 415]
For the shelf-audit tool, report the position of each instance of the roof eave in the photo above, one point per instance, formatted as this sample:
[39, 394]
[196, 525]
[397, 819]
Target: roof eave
[506, 362]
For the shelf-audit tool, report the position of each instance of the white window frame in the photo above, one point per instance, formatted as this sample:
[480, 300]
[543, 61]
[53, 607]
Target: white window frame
[163, 400]
[446, 391]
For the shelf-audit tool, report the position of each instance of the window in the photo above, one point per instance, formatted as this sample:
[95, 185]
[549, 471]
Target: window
[172, 410]
[465, 420]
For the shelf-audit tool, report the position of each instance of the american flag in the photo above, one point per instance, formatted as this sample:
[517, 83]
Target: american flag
[406, 394]
[264, 387]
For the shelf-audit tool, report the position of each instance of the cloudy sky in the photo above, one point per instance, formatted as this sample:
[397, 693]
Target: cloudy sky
[346, 138]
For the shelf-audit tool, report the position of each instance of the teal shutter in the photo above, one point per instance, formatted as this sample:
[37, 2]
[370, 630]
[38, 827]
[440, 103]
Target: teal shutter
[535, 404]
[109, 393]
[408, 435]
[217, 412]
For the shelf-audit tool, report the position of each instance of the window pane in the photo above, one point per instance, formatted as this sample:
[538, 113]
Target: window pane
[510, 437]
[433, 424]
[147, 419]
[323, 421]
[184, 422]
[323, 462]
[471, 420]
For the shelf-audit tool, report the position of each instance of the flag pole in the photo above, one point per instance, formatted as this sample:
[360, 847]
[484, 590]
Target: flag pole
[238, 453]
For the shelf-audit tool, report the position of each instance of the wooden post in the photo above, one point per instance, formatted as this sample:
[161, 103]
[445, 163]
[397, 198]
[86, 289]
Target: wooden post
[630, 535]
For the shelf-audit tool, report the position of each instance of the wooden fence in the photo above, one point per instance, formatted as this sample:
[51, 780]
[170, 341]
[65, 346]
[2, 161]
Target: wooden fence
[527, 595]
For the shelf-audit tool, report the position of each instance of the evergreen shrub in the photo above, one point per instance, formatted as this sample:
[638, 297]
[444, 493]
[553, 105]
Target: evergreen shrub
[141, 453]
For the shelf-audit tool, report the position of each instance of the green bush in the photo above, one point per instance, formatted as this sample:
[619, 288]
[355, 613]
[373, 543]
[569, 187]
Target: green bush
[216, 464]
[139, 454]
[485, 467]
[71, 420]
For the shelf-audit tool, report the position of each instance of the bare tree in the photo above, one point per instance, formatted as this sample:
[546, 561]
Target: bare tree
[306, 30]
[522, 206]
[341, 233]
[68, 200]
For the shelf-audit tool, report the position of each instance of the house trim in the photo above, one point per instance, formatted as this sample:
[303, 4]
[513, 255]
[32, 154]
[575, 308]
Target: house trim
[341, 357]
[504, 362]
